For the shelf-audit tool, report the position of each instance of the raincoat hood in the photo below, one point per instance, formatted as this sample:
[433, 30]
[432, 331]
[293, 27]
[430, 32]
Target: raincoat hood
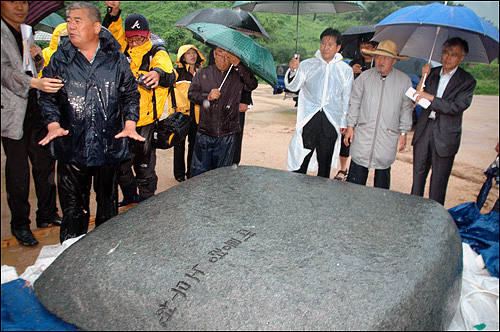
[183, 49]
[105, 37]
[60, 30]
[47, 52]
[338, 57]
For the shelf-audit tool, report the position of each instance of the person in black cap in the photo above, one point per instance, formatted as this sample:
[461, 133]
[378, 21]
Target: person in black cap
[151, 64]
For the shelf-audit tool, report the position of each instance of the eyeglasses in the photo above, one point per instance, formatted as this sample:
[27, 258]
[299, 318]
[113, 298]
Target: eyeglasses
[136, 40]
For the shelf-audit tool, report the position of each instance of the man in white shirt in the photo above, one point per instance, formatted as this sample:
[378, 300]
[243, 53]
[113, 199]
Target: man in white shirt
[439, 128]
[325, 83]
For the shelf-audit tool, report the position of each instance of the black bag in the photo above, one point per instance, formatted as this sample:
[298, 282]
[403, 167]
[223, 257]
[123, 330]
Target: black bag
[170, 131]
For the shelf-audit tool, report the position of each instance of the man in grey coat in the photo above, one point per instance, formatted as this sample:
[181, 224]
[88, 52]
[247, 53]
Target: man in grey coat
[379, 117]
[22, 125]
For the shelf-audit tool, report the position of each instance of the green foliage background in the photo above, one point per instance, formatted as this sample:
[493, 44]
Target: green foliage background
[282, 28]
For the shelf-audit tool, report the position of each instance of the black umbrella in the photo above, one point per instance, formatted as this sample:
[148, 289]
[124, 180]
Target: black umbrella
[41, 9]
[235, 19]
[353, 36]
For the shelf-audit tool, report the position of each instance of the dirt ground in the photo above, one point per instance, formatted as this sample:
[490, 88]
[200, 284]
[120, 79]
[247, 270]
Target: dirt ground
[269, 126]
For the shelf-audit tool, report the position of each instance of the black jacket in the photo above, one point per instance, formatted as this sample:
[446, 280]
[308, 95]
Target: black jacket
[221, 117]
[457, 97]
[93, 105]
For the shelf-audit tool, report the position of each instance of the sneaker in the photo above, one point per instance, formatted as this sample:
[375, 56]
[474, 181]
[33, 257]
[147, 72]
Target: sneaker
[341, 175]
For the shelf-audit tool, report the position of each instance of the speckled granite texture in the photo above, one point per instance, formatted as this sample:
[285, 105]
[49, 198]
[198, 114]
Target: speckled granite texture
[252, 248]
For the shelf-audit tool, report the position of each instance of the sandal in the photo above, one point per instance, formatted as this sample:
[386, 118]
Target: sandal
[341, 175]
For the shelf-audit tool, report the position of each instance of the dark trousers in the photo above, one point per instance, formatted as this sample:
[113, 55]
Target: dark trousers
[320, 135]
[74, 183]
[359, 174]
[17, 177]
[143, 161]
[239, 140]
[180, 170]
[211, 153]
[426, 157]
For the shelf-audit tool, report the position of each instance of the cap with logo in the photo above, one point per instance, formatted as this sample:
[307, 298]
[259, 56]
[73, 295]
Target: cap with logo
[136, 25]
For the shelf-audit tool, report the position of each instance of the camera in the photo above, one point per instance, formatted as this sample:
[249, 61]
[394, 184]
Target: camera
[140, 81]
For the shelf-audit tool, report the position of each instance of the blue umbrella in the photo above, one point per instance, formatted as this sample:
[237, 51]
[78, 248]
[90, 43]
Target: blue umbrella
[418, 30]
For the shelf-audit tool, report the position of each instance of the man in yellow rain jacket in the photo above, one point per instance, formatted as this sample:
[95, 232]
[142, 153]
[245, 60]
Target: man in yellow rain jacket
[152, 66]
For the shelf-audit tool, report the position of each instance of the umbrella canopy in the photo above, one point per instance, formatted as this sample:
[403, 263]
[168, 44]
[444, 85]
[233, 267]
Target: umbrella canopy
[41, 9]
[351, 38]
[418, 29]
[49, 23]
[157, 40]
[251, 53]
[43, 37]
[299, 8]
[236, 19]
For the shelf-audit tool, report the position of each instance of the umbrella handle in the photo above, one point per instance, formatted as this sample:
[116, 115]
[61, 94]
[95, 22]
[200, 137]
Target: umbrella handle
[297, 32]
[423, 82]
[225, 77]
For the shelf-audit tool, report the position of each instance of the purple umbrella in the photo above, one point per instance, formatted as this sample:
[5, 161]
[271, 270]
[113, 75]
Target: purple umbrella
[41, 9]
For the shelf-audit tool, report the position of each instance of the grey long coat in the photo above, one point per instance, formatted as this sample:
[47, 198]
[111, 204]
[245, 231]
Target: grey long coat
[15, 86]
[378, 111]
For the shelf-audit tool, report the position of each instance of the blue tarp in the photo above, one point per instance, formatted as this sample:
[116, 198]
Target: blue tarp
[478, 230]
[21, 310]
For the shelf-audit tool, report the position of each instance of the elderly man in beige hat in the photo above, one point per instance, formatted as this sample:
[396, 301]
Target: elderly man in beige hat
[379, 117]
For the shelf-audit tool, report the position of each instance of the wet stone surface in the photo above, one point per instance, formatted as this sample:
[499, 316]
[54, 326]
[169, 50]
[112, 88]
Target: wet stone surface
[261, 249]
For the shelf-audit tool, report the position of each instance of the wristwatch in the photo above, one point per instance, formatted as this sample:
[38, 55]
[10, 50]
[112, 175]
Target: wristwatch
[402, 134]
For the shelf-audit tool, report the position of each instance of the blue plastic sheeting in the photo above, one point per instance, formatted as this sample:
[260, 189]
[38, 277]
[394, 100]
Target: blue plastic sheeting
[480, 231]
[21, 310]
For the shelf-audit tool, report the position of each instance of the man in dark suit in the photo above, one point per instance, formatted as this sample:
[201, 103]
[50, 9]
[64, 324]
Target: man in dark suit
[437, 133]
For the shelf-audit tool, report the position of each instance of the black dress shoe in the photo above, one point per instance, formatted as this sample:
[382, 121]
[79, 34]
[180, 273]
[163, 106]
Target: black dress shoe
[57, 221]
[24, 237]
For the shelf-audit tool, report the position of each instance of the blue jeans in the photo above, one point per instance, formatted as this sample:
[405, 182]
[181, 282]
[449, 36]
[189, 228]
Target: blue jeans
[358, 174]
[211, 153]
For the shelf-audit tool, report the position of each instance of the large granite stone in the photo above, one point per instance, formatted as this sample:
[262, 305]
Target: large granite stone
[260, 249]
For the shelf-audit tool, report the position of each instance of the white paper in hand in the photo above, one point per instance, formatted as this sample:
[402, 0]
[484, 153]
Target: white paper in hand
[422, 102]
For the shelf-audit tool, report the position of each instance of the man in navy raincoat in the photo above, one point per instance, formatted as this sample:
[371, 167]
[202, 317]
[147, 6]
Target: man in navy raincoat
[90, 118]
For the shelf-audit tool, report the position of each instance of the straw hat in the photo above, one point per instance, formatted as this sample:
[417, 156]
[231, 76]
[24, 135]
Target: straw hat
[386, 48]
